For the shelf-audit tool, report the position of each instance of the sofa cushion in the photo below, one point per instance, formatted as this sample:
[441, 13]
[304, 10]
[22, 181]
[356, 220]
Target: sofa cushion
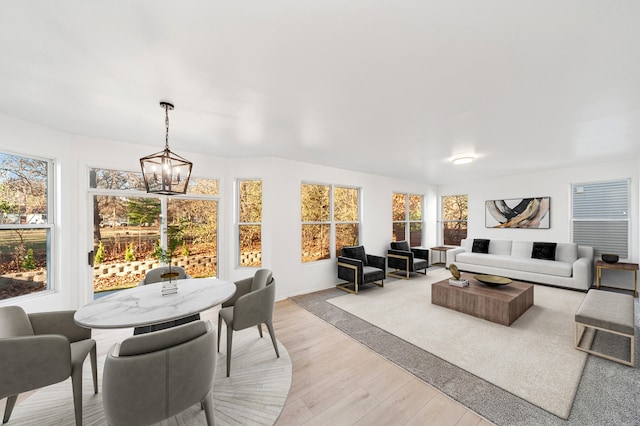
[522, 249]
[567, 252]
[500, 247]
[370, 274]
[546, 267]
[480, 246]
[544, 251]
[400, 245]
[355, 252]
[482, 259]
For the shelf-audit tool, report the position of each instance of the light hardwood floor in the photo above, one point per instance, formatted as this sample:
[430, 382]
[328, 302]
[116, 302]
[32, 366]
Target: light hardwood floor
[338, 381]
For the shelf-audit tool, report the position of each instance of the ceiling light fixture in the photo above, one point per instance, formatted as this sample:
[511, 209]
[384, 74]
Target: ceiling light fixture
[164, 172]
[463, 160]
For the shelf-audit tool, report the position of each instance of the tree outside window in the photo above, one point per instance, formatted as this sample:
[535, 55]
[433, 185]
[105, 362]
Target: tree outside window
[131, 228]
[346, 217]
[25, 225]
[455, 212]
[407, 218]
[320, 228]
[316, 221]
[250, 222]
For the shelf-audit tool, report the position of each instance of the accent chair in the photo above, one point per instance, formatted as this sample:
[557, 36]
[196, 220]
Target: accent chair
[403, 258]
[357, 268]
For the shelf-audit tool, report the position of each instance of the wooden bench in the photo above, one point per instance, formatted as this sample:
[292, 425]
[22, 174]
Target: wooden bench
[608, 312]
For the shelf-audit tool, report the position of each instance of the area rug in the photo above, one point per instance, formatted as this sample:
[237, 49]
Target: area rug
[254, 394]
[605, 395]
[534, 358]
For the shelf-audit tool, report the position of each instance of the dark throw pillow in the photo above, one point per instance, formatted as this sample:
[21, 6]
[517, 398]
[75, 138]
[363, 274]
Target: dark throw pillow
[480, 246]
[400, 245]
[545, 251]
[356, 252]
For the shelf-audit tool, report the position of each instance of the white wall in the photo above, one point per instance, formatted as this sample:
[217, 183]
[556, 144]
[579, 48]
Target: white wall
[555, 184]
[281, 181]
[74, 155]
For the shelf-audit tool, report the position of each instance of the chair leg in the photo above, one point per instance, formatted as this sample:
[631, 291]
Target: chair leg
[94, 368]
[207, 404]
[219, 330]
[76, 384]
[260, 330]
[273, 337]
[11, 402]
[229, 339]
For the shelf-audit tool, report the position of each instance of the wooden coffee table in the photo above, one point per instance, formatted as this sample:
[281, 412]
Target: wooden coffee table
[502, 305]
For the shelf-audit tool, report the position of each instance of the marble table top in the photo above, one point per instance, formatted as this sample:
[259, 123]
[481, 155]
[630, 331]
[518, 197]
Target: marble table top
[145, 305]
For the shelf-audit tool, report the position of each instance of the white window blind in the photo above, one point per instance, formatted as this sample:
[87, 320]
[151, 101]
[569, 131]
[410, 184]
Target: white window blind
[601, 216]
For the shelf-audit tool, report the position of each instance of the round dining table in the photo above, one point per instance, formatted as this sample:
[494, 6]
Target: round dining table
[146, 305]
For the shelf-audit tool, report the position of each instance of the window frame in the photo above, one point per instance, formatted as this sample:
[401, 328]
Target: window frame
[331, 222]
[335, 222]
[444, 221]
[49, 226]
[623, 216]
[240, 224]
[407, 220]
[138, 192]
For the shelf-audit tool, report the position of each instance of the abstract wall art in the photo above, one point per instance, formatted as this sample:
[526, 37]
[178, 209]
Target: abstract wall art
[518, 213]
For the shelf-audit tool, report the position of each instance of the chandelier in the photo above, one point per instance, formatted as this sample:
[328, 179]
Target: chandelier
[164, 172]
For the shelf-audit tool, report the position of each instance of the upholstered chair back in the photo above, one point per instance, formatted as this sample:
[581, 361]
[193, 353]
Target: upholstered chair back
[154, 376]
[14, 322]
[155, 275]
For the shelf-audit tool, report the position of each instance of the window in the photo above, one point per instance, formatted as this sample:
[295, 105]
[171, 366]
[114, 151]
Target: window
[330, 217]
[346, 217]
[407, 218]
[600, 216]
[455, 211]
[250, 222]
[130, 226]
[25, 224]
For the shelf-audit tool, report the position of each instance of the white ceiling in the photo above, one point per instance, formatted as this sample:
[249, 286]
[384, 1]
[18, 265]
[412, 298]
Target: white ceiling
[392, 87]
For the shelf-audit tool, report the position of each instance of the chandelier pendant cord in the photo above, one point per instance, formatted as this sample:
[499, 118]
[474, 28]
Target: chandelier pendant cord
[166, 126]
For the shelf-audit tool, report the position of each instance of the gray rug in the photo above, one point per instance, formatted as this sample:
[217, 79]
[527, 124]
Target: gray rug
[607, 394]
[546, 374]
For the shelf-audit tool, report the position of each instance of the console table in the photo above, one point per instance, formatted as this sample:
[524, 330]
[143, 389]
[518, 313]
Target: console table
[619, 266]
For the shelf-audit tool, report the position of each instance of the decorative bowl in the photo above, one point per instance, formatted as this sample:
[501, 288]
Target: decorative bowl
[610, 258]
[492, 280]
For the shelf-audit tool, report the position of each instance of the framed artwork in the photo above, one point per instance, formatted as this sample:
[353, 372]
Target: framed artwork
[518, 213]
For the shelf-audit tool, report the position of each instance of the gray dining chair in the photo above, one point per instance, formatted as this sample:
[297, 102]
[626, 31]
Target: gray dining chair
[252, 304]
[41, 349]
[155, 376]
[155, 276]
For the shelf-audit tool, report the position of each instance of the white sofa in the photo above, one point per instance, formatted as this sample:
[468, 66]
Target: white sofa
[572, 267]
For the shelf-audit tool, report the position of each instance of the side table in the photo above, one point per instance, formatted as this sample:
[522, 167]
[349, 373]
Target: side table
[619, 266]
[440, 250]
